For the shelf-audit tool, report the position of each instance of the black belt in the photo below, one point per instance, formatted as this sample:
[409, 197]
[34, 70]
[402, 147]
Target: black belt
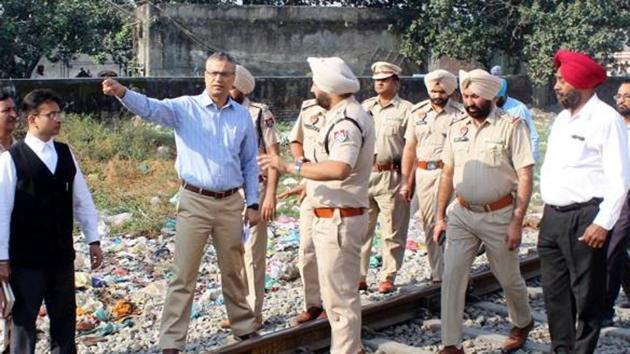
[576, 206]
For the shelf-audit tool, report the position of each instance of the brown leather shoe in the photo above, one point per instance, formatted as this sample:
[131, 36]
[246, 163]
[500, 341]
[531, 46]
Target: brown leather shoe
[517, 338]
[225, 323]
[170, 351]
[309, 315]
[386, 287]
[451, 349]
[363, 286]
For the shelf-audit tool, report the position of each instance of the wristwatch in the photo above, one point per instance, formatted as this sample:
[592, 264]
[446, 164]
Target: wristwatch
[253, 206]
[297, 167]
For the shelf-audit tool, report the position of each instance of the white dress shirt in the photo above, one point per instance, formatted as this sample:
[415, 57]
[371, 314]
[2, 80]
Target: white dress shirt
[83, 207]
[587, 157]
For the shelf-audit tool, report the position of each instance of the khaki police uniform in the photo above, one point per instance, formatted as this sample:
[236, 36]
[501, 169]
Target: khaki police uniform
[390, 123]
[341, 219]
[306, 130]
[427, 128]
[256, 246]
[485, 161]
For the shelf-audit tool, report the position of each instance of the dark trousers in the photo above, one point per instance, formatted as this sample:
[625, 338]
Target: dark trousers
[54, 286]
[616, 258]
[573, 279]
[625, 279]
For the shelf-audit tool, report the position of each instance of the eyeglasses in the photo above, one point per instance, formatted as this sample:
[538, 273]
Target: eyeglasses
[219, 73]
[625, 96]
[56, 115]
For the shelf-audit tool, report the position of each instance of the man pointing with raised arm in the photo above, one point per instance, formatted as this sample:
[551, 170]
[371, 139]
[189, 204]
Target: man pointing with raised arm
[216, 155]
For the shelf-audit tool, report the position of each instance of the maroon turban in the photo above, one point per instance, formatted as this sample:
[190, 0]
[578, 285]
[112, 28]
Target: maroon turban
[578, 69]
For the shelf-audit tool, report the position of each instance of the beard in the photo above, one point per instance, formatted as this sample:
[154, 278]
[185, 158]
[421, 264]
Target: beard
[479, 112]
[323, 100]
[238, 97]
[568, 100]
[440, 102]
[623, 110]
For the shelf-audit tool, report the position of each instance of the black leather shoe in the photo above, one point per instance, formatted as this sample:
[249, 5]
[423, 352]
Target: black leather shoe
[248, 336]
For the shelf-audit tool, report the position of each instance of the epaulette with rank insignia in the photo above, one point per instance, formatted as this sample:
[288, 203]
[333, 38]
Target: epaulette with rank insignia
[420, 105]
[458, 117]
[510, 118]
[308, 103]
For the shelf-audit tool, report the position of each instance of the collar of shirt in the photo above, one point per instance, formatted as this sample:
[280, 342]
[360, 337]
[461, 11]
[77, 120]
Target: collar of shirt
[206, 101]
[395, 101]
[586, 110]
[491, 119]
[38, 145]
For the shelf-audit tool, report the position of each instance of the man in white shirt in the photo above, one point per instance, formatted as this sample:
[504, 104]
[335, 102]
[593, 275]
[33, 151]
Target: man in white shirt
[618, 264]
[8, 119]
[42, 190]
[584, 180]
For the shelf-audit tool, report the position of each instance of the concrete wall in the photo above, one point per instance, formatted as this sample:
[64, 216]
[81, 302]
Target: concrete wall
[274, 41]
[283, 94]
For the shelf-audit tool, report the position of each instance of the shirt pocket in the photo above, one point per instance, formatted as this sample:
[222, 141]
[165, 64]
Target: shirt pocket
[575, 149]
[491, 154]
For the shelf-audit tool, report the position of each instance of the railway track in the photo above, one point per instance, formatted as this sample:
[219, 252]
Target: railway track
[315, 335]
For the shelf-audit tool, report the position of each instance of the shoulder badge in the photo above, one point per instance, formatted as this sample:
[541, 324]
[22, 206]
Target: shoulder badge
[341, 135]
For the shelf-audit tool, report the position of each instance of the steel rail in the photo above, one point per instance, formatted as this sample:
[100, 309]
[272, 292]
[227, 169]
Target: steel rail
[315, 335]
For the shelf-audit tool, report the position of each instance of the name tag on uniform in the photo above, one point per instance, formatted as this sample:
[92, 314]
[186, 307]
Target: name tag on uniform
[495, 142]
[459, 139]
[577, 137]
[312, 127]
[421, 122]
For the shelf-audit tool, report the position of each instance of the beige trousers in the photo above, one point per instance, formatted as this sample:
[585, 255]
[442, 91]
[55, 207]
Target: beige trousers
[393, 216]
[338, 247]
[198, 217]
[307, 259]
[426, 190]
[255, 261]
[465, 232]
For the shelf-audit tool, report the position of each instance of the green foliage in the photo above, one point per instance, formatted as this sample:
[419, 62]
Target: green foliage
[60, 29]
[121, 139]
[527, 31]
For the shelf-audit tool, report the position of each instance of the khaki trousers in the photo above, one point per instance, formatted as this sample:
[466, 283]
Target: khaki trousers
[465, 232]
[307, 259]
[426, 190]
[338, 247]
[255, 261]
[393, 216]
[198, 217]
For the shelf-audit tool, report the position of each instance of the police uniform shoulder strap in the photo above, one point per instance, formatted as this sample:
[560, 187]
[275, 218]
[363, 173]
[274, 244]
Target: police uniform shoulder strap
[420, 105]
[345, 117]
[308, 104]
[458, 118]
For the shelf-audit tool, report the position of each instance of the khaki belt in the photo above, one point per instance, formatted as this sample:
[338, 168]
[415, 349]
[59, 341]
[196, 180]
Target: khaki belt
[345, 212]
[380, 167]
[207, 193]
[499, 204]
[430, 165]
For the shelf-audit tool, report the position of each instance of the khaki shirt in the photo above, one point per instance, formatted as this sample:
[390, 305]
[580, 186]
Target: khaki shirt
[13, 142]
[307, 127]
[347, 144]
[390, 123]
[428, 128]
[264, 124]
[485, 159]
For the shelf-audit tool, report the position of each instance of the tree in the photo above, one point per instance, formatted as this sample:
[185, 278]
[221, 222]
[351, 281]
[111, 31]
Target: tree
[524, 31]
[59, 29]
